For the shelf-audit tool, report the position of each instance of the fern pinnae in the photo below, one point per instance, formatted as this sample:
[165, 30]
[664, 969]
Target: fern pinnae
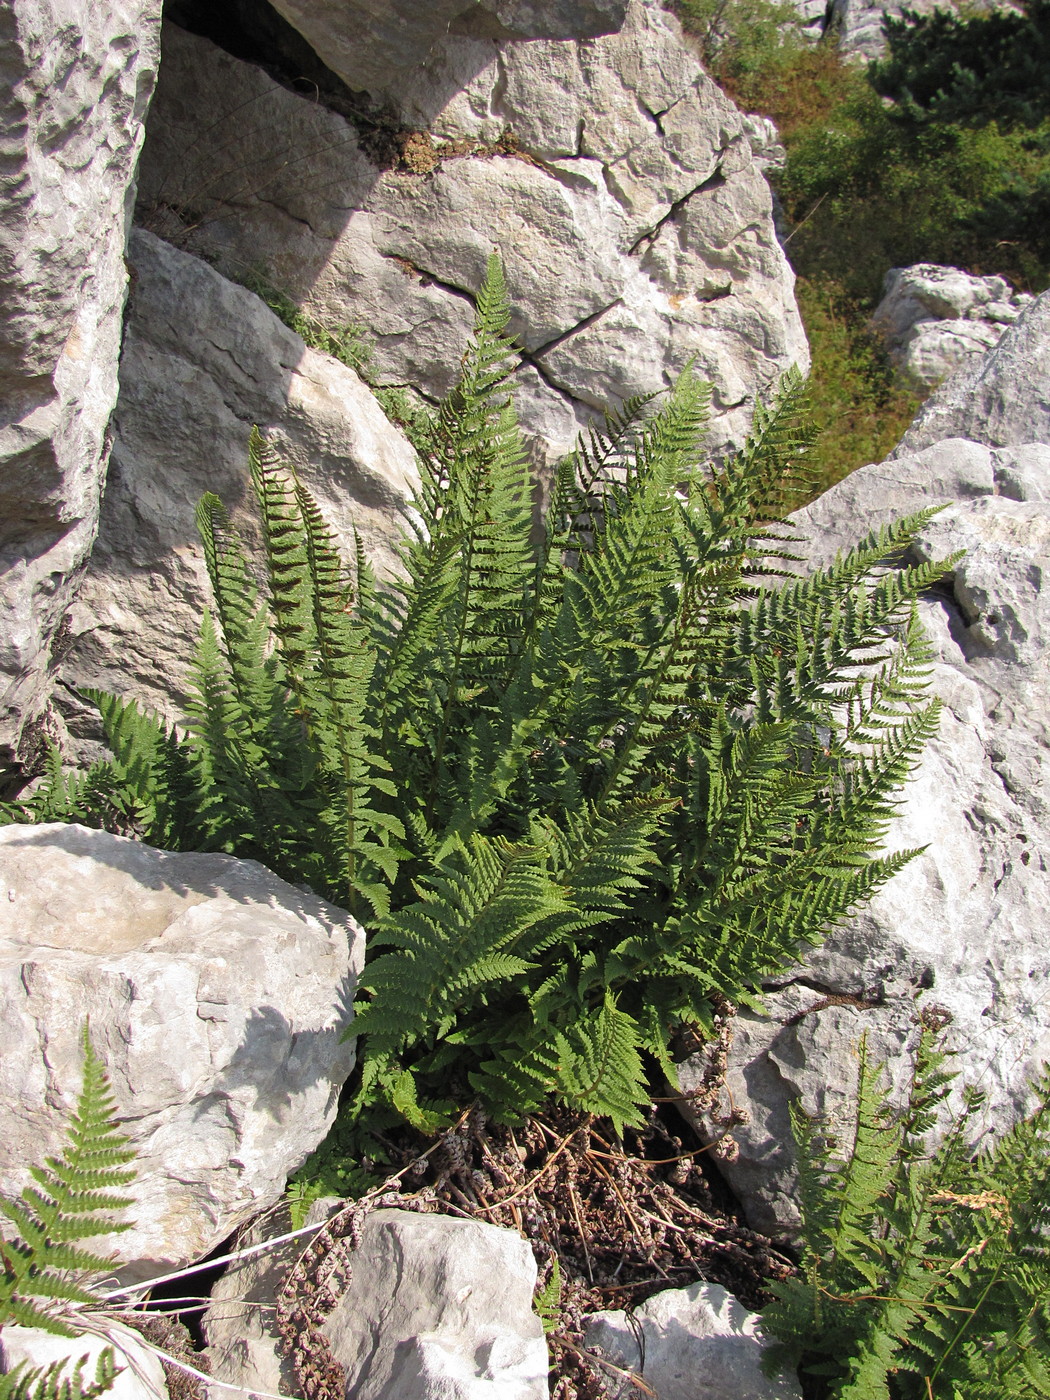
[72, 1199]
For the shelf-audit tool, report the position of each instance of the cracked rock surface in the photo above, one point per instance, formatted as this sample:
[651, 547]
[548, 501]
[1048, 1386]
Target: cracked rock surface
[76, 81]
[616, 180]
[938, 319]
[962, 929]
[203, 361]
[217, 995]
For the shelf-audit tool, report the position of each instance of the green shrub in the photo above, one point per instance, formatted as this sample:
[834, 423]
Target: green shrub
[577, 785]
[924, 1272]
[973, 69]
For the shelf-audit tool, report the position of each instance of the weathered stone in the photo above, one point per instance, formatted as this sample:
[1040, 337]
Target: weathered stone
[1002, 400]
[687, 1342]
[203, 361]
[435, 1308]
[217, 994]
[371, 44]
[76, 81]
[632, 217]
[141, 1374]
[962, 929]
[439, 1309]
[239, 1322]
[936, 319]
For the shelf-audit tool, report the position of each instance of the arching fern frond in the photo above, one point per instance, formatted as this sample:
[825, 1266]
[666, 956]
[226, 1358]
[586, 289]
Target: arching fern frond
[74, 1197]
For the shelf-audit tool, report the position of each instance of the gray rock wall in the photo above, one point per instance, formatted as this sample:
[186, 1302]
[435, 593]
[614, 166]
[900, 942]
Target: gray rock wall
[75, 80]
[203, 361]
[372, 43]
[634, 222]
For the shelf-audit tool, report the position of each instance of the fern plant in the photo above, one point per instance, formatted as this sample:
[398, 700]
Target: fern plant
[576, 783]
[45, 1267]
[925, 1272]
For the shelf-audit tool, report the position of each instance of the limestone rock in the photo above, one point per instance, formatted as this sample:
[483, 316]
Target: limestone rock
[685, 1342]
[203, 361]
[77, 80]
[217, 994]
[439, 1309]
[936, 319]
[1002, 400]
[961, 933]
[239, 1322]
[618, 183]
[435, 1309]
[142, 1375]
[372, 43]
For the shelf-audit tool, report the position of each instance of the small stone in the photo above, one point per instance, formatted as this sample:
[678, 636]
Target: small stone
[688, 1341]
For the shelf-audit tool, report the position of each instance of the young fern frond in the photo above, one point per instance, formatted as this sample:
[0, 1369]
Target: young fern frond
[45, 1266]
[59, 1381]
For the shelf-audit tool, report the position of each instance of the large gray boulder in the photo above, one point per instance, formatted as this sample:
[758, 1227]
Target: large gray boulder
[371, 44]
[618, 183]
[203, 361]
[937, 319]
[77, 80]
[960, 935]
[217, 996]
[685, 1343]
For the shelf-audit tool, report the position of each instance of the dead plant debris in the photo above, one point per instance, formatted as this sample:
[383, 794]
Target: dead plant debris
[625, 1219]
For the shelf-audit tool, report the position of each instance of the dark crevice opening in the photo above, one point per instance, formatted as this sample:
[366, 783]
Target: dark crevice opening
[253, 31]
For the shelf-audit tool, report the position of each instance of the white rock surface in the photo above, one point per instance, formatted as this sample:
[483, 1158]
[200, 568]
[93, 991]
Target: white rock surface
[217, 994]
[963, 928]
[435, 1308]
[141, 1374]
[203, 361]
[1002, 400]
[372, 43]
[633, 219]
[77, 80]
[688, 1343]
[937, 319]
[439, 1309]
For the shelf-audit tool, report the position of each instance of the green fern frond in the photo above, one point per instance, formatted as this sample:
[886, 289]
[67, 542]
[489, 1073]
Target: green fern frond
[61, 1380]
[73, 1198]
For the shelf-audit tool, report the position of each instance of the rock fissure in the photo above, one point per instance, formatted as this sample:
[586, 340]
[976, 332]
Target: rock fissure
[714, 181]
[431, 279]
[531, 356]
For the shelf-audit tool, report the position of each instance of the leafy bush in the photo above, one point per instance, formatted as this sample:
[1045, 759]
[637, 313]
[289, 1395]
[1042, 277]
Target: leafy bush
[945, 68]
[924, 1273]
[863, 406]
[579, 784]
